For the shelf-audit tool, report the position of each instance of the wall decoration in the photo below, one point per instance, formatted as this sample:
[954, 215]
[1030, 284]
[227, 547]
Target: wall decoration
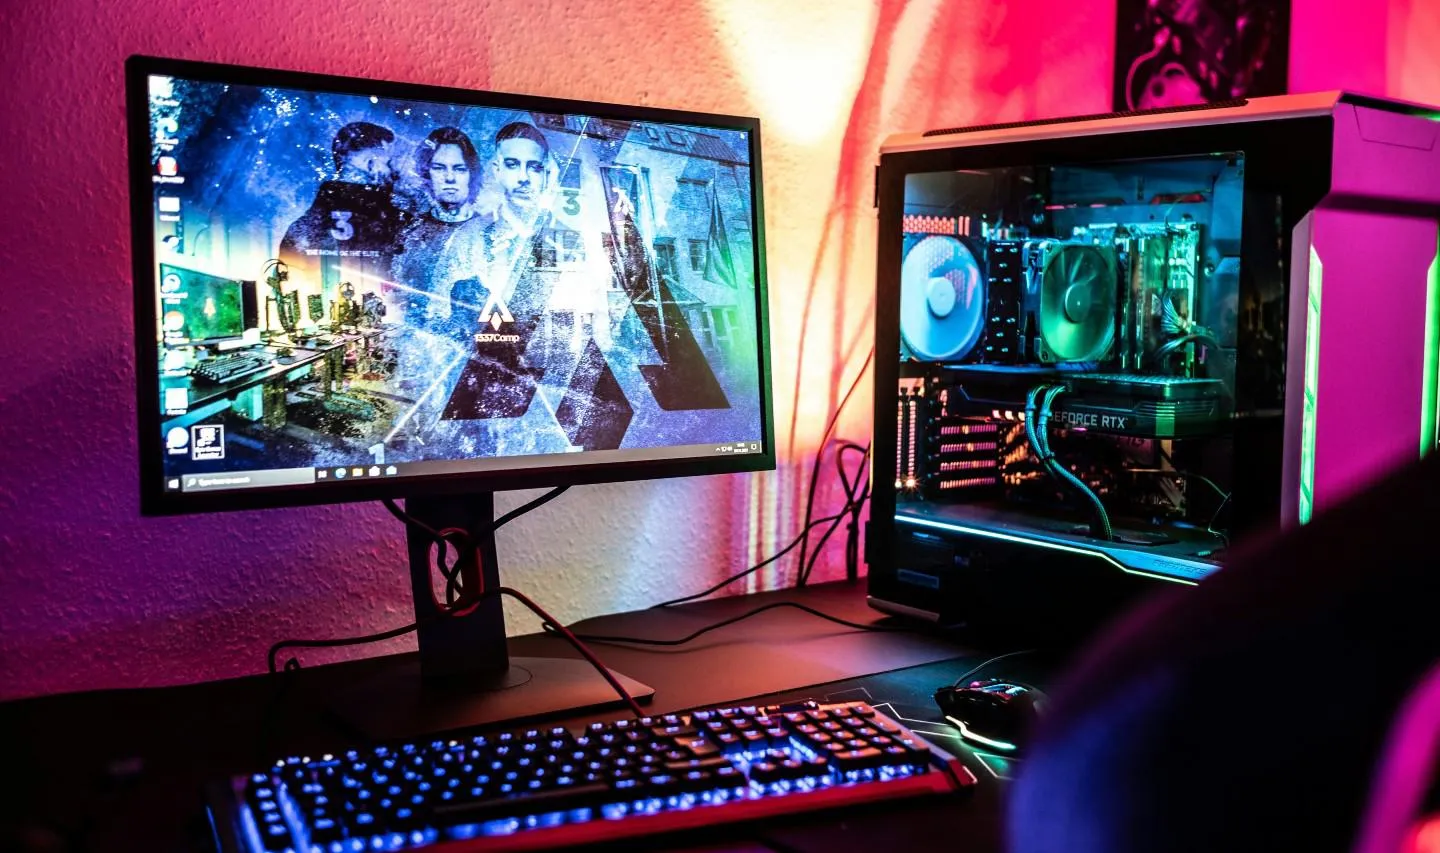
[1172, 53]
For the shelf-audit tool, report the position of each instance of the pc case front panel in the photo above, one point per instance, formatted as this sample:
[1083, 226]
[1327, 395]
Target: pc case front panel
[1143, 274]
[1363, 373]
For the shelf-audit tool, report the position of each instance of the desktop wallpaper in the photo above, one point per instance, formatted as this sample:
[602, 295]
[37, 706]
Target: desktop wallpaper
[444, 282]
[96, 596]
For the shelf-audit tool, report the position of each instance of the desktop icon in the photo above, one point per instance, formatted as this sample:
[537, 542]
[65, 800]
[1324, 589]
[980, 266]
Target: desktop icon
[321, 474]
[167, 167]
[357, 472]
[166, 129]
[168, 204]
[162, 87]
[177, 438]
[170, 283]
[374, 470]
[177, 400]
[207, 441]
[390, 471]
[339, 473]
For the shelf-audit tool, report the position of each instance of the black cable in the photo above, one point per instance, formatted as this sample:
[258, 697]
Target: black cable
[809, 566]
[1224, 495]
[1176, 472]
[850, 509]
[750, 571]
[819, 455]
[840, 451]
[724, 623]
[407, 518]
[1039, 437]
[526, 507]
[1100, 521]
[856, 496]
[996, 659]
[545, 619]
[1173, 346]
[1206, 480]
[463, 541]
[450, 570]
[343, 641]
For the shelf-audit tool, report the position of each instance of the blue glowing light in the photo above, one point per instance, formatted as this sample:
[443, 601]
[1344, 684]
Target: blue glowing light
[1071, 549]
[614, 811]
[504, 826]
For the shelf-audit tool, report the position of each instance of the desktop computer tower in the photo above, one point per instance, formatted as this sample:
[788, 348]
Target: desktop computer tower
[1108, 348]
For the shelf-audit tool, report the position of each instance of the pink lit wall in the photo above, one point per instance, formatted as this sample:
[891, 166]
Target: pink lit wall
[92, 595]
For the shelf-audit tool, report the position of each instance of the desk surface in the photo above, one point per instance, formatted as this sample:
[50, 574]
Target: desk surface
[123, 769]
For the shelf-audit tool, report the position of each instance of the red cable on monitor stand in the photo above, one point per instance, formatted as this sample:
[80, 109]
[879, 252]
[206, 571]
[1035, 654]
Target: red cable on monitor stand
[467, 567]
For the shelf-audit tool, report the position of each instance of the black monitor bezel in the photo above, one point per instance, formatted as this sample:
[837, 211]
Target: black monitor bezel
[156, 500]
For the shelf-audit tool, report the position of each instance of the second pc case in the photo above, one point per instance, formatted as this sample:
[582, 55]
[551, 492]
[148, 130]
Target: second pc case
[1109, 347]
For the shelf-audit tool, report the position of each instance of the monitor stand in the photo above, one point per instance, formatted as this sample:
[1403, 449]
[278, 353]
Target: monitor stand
[464, 675]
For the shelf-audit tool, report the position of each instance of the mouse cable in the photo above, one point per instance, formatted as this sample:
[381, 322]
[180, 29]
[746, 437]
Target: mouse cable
[550, 622]
[820, 453]
[774, 605]
[995, 659]
[794, 543]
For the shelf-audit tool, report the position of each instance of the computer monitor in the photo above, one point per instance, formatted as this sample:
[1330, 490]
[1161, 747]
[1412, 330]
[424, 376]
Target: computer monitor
[501, 292]
[199, 308]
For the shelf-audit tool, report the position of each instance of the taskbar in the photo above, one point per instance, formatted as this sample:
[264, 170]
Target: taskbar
[222, 481]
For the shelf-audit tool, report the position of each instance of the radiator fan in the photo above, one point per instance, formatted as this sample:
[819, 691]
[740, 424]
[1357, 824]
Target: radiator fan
[1077, 302]
[942, 299]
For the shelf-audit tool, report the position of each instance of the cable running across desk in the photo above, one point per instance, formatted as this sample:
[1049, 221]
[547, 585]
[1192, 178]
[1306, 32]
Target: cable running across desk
[724, 623]
[464, 543]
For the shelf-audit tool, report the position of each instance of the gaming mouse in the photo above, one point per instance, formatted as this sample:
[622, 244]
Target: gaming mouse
[992, 713]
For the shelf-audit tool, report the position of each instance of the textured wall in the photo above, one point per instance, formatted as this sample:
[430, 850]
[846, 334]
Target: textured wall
[92, 595]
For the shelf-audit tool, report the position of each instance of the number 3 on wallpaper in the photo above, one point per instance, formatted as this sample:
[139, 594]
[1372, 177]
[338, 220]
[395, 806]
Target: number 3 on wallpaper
[343, 230]
[572, 203]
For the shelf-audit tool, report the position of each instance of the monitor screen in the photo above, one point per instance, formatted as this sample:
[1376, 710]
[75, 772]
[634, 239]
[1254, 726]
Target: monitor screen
[451, 290]
[195, 307]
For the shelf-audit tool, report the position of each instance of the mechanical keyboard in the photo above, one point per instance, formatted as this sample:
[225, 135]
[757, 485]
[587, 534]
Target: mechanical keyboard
[223, 368]
[559, 787]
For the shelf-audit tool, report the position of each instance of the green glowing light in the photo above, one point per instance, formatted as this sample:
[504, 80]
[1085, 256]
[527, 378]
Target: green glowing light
[966, 733]
[1312, 386]
[1428, 411]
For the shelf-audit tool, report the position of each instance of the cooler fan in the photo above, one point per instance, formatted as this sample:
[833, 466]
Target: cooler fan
[942, 299]
[1077, 301]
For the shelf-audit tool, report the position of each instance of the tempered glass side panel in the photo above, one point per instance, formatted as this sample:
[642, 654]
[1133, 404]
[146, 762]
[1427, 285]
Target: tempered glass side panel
[1069, 341]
